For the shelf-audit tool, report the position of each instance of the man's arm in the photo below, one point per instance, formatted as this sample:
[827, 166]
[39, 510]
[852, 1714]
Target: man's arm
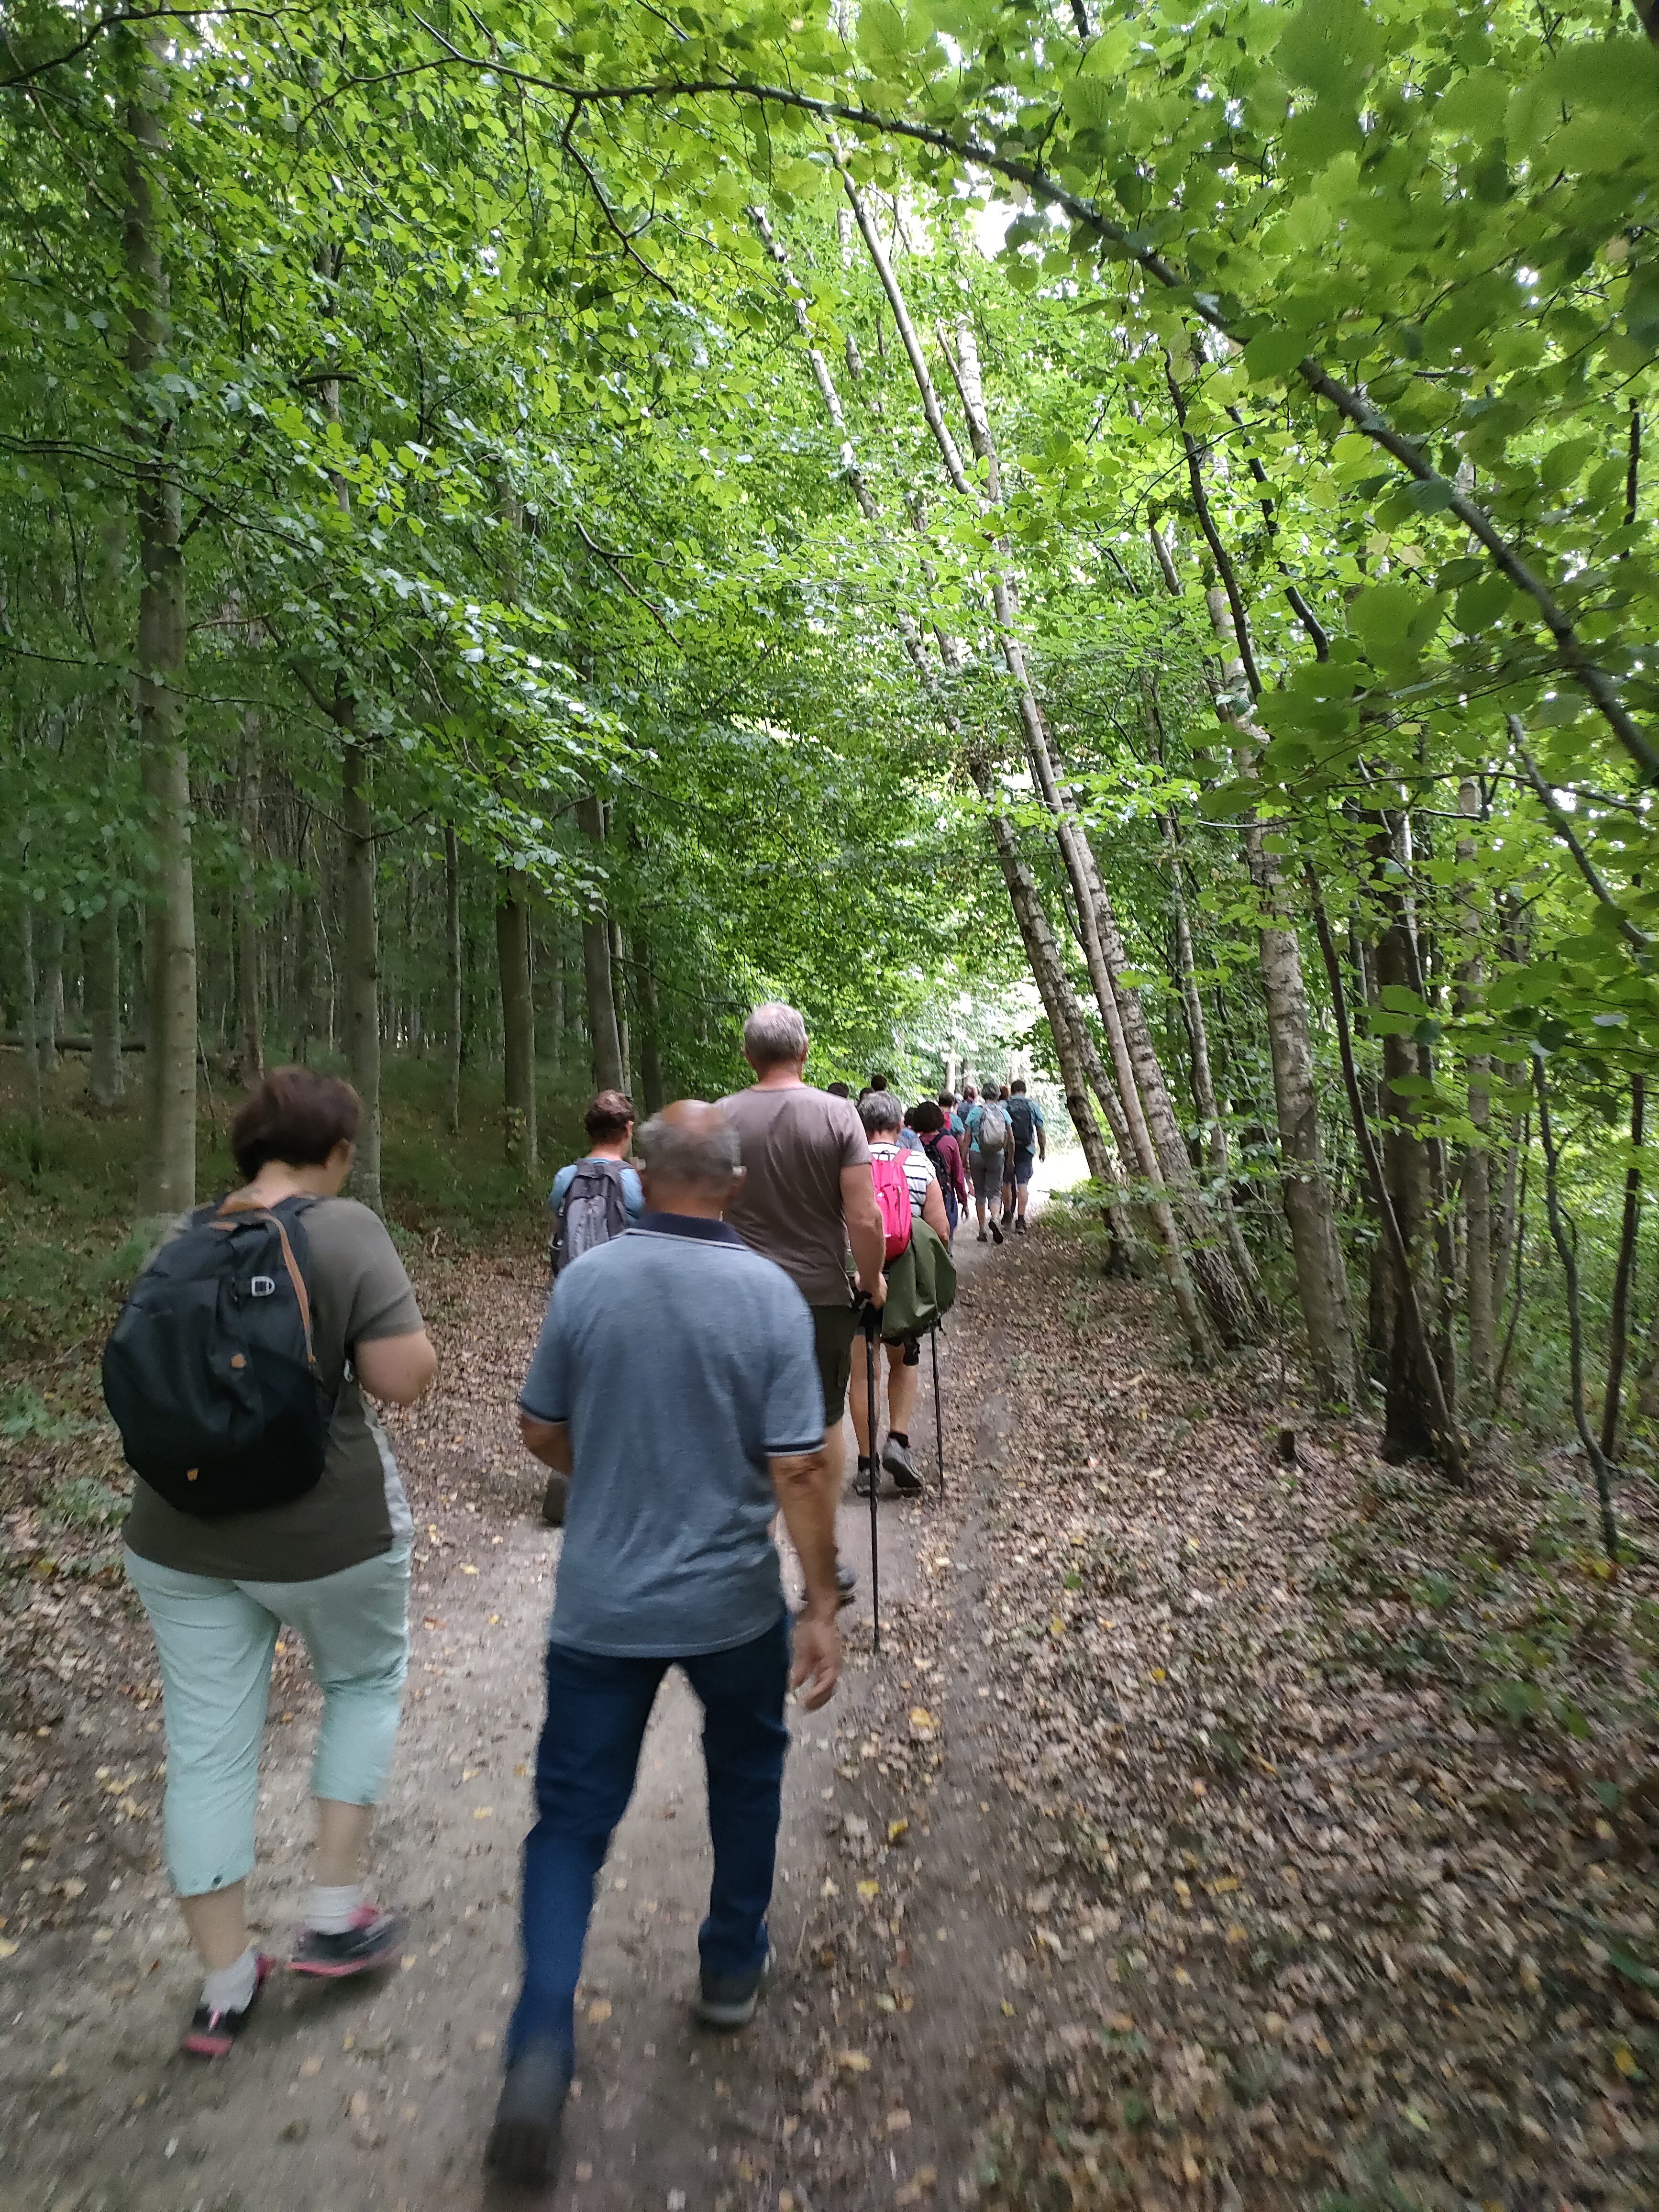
[550, 1441]
[806, 1496]
[1042, 1136]
[396, 1368]
[865, 1233]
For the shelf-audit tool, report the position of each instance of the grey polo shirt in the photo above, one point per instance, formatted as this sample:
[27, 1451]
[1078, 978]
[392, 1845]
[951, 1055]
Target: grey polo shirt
[683, 1362]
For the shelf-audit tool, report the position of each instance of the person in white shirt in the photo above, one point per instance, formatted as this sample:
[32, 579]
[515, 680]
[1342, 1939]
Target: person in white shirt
[883, 1119]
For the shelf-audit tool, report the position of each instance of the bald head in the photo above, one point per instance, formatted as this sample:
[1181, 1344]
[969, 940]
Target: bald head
[690, 1161]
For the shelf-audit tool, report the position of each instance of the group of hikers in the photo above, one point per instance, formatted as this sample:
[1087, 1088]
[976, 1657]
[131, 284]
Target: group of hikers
[727, 1274]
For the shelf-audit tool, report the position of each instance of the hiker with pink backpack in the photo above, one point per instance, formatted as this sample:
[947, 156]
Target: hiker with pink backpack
[906, 1191]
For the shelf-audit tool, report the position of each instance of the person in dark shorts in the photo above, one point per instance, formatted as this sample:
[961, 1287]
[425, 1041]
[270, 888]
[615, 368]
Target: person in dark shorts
[806, 1195]
[1025, 1123]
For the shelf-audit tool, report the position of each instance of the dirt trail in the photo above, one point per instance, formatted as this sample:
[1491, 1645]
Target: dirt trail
[888, 1925]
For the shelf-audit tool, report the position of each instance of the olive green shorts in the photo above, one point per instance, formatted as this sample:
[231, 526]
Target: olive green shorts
[834, 1329]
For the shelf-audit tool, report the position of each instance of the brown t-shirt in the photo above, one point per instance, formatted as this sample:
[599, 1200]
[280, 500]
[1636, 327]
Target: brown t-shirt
[359, 1292]
[795, 1143]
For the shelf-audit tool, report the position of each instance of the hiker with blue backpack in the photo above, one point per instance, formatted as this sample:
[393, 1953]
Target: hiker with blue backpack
[1025, 1126]
[240, 1375]
[593, 1200]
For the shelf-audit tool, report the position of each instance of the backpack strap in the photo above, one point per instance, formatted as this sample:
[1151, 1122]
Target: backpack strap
[259, 1212]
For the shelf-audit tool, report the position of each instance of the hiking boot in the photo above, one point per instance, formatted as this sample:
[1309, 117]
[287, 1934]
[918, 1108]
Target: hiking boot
[996, 1234]
[846, 1582]
[1019, 1224]
[982, 1237]
[524, 2142]
[374, 1939]
[862, 1480]
[729, 2000]
[212, 2033]
[898, 1463]
[554, 1498]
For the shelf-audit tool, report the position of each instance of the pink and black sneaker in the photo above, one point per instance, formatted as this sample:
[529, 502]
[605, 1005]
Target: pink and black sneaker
[212, 2033]
[374, 1939]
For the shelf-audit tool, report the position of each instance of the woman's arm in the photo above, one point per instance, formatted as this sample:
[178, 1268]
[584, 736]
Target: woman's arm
[396, 1368]
[933, 1213]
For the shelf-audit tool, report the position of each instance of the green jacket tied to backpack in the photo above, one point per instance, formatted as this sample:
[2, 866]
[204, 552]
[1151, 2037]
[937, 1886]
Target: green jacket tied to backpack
[921, 1286]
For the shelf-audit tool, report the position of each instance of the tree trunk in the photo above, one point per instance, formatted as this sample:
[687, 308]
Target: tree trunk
[1321, 1277]
[1479, 1293]
[1409, 1429]
[360, 961]
[518, 1023]
[102, 957]
[651, 1079]
[167, 1176]
[454, 1007]
[619, 994]
[249, 996]
[51, 1023]
[610, 1070]
[29, 1006]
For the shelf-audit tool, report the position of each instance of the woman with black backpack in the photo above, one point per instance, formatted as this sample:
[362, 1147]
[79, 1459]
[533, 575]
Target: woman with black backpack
[239, 1375]
[941, 1147]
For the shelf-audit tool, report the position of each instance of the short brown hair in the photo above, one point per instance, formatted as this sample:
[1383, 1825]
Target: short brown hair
[294, 1116]
[610, 1115]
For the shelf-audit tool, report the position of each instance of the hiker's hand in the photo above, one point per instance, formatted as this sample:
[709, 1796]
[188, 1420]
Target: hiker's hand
[817, 1666]
[878, 1296]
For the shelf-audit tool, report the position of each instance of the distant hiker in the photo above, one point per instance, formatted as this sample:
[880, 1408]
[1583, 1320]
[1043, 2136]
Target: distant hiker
[806, 1195]
[1025, 1125]
[881, 1116]
[877, 1082]
[596, 1197]
[668, 1559]
[952, 1118]
[990, 1142]
[909, 1136]
[945, 1154]
[592, 1199]
[282, 1269]
[839, 1089]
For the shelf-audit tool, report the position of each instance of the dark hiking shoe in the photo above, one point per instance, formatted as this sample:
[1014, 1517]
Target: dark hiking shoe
[862, 1480]
[1019, 1224]
[982, 1237]
[996, 1234]
[729, 2000]
[846, 1582]
[374, 1939]
[553, 1500]
[524, 2142]
[212, 2033]
[898, 1463]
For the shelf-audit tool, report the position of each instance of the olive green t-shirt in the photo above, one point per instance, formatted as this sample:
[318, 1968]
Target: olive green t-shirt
[359, 1292]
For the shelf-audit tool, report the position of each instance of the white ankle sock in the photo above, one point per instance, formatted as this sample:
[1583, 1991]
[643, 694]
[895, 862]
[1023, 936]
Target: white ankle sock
[230, 1989]
[330, 1910]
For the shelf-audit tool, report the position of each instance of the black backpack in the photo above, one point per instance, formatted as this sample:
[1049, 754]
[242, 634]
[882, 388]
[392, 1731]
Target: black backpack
[592, 1212]
[210, 1372]
[1023, 1115]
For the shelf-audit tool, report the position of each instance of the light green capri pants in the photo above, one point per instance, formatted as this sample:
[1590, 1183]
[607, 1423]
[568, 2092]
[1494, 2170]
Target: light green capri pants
[215, 1640]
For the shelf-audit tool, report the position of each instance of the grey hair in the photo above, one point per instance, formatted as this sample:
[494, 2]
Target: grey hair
[772, 1034]
[706, 1159]
[879, 1109]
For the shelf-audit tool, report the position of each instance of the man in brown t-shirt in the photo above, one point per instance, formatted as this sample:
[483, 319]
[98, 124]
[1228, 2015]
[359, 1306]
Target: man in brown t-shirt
[806, 1195]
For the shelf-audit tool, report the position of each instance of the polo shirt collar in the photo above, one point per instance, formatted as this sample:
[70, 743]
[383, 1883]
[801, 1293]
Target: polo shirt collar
[694, 1225]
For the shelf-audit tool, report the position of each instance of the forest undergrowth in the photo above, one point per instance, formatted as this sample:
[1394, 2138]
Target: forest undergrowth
[1344, 1781]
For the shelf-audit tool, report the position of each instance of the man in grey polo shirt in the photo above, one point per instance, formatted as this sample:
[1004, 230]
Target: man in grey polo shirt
[677, 1383]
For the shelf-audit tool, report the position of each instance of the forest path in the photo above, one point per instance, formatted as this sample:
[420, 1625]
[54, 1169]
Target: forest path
[378, 2094]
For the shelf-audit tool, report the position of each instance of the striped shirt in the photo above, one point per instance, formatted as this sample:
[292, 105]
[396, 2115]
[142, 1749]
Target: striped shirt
[918, 1172]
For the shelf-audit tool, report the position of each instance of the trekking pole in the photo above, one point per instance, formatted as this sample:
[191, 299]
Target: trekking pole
[938, 1416]
[871, 1325]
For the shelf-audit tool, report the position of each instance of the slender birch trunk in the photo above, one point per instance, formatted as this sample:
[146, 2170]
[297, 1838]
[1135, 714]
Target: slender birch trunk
[361, 958]
[651, 1076]
[1310, 1213]
[518, 1022]
[167, 1175]
[454, 1007]
[250, 997]
[610, 1069]
[1479, 1279]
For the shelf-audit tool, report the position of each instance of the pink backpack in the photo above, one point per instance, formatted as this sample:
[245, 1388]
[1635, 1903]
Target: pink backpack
[893, 1199]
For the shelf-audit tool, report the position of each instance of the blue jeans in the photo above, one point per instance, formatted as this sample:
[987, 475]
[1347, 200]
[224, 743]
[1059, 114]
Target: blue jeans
[597, 1710]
